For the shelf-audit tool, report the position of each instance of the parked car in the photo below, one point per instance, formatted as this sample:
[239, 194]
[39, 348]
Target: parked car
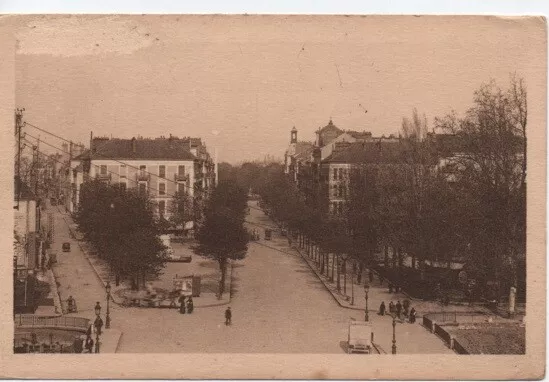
[66, 247]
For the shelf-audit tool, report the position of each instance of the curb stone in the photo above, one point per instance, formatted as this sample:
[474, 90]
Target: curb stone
[326, 286]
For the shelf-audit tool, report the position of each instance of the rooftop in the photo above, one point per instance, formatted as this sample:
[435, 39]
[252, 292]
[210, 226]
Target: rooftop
[368, 152]
[160, 148]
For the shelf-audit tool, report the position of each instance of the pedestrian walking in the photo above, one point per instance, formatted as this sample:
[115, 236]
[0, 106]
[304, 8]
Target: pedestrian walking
[371, 276]
[382, 308]
[98, 323]
[413, 316]
[228, 316]
[182, 304]
[390, 288]
[380, 279]
[190, 305]
[399, 309]
[391, 307]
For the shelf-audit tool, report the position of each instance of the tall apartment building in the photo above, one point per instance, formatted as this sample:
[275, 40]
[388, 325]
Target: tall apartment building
[160, 167]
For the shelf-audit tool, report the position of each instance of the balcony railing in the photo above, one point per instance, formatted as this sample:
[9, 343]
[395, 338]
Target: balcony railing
[143, 176]
[103, 177]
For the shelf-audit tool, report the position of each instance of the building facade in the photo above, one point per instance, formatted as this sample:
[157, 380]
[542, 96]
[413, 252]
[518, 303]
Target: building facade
[159, 167]
[322, 169]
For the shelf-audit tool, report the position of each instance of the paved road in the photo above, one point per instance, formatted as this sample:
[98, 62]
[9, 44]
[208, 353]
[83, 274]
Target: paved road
[278, 306]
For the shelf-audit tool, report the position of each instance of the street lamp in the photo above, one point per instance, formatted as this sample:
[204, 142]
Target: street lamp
[108, 318]
[97, 341]
[366, 290]
[394, 338]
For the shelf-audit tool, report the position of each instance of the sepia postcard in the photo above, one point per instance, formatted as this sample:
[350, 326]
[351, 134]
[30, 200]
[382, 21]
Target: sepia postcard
[273, 197]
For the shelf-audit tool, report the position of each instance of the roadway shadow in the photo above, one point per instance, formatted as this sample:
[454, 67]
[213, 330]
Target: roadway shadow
[234, 287]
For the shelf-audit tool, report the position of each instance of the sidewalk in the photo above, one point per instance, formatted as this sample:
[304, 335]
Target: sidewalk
[378, 293]
[104, 274]
[109, 340]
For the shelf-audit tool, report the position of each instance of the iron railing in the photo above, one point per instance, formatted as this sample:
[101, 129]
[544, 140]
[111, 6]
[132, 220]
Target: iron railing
[64, 322]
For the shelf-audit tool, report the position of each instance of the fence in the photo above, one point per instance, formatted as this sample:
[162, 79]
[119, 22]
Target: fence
[435, 323]
[458, 348]
[32, 321]
[443, 334]
[456, 317]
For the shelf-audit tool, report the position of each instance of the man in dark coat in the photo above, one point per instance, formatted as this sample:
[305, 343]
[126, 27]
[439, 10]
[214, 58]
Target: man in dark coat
[190, 305]
[391, 307]
[182, 304]
[382, 308]
[412, 316]
[98, 323]
[228, 316]
[399, 309]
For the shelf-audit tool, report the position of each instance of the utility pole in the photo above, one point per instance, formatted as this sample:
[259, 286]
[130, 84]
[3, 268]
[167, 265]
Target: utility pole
[36, 166]
[18, 127]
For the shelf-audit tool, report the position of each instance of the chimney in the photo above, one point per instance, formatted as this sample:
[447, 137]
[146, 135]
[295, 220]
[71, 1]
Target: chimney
[317, 154]
[133, 145]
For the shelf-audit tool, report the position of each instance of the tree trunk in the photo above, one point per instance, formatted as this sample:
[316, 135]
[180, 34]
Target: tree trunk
[333, 268]
[386, 256]
[338, 275]
[394, 256]
[344, 277]
[223, 269]
[360, 270]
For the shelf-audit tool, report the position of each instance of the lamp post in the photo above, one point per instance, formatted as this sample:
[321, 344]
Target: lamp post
[394, 337]
[366, 290]
[108, 318]
[97, 341]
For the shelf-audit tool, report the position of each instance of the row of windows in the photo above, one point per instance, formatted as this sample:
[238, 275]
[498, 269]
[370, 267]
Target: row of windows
[340, 173]
[143, 169]
[339, 191]
[338, 208]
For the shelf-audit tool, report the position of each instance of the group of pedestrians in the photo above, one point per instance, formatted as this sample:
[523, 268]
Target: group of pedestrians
[186, 305]
[399, 310]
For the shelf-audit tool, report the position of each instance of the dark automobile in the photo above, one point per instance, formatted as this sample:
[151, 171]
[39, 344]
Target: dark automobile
[66, 247]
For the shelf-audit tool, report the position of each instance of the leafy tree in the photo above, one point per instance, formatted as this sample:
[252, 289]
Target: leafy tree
[491, 166]
[223, 237]
[120, 224]
[181, 209]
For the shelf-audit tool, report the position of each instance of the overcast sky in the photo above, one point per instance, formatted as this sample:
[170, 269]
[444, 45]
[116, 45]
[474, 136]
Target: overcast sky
[241, 83]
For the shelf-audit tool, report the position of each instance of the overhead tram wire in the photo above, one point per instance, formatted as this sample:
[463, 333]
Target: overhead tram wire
[135, 181]
[118, 161]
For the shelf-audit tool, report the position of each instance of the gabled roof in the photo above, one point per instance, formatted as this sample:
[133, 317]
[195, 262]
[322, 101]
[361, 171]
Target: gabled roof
[163, 148]
[368, 152]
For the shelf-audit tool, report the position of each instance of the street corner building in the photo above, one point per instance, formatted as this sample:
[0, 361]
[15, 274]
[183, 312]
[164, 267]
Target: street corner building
[159, 167]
